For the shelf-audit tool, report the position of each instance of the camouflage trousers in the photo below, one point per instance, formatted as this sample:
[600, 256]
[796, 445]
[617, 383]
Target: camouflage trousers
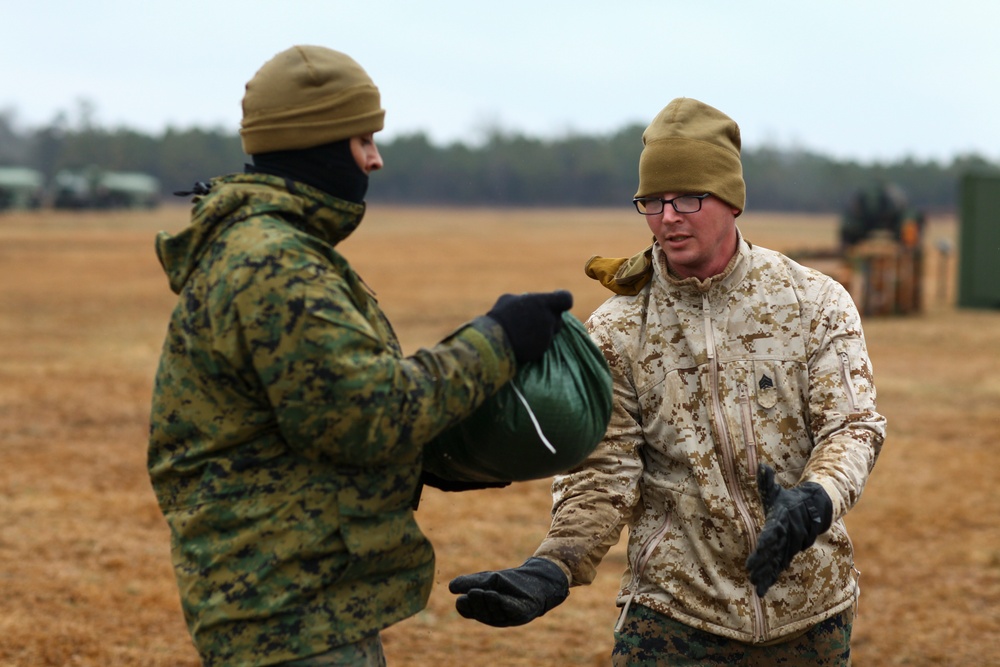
[650, 639]
[365, 653]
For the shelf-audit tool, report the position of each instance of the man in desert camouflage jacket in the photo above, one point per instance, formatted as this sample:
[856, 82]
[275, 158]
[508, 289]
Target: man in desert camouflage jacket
[743, 431]
[287, 427]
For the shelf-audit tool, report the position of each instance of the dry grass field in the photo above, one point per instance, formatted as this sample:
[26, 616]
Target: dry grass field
[84, 567]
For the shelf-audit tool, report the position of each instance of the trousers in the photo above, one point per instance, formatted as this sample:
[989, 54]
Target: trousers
[365, 653]
[650, 639]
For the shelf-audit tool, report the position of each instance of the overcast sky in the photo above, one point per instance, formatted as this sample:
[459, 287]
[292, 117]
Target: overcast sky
[861, 79]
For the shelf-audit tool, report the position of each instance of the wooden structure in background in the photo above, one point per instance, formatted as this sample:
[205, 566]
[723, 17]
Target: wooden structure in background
[885, 275]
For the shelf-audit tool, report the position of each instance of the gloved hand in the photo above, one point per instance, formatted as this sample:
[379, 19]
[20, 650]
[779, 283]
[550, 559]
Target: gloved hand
[531, 321]
[511, 597]
[795, 517]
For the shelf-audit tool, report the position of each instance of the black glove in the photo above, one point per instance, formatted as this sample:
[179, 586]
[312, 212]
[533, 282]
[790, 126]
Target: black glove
[795, 517]
[511, 597]
[531, 321]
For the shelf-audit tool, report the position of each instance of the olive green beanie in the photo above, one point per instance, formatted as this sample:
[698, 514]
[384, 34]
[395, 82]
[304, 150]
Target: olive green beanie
[692, 148]
[307, 96]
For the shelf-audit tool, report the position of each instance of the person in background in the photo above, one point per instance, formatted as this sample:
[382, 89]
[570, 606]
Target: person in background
[744, 429]
[287, 426]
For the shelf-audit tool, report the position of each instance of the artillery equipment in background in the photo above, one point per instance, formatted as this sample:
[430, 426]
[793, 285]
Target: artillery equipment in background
[882, 240]
[880, 258]
[94, 188]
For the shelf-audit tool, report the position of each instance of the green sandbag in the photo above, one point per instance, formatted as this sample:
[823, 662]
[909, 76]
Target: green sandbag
[569, 392]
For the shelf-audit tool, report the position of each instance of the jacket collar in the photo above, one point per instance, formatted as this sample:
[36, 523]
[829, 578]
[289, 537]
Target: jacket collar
[237, 197]
[731, 276]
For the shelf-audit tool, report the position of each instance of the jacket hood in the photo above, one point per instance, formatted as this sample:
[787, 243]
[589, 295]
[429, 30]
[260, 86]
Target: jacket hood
[622, 275]
[232, 199]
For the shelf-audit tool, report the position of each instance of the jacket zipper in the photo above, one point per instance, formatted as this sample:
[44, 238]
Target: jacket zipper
[749, 438]
[729, 465]
[845, 372]
[641, 559]
[857, 590]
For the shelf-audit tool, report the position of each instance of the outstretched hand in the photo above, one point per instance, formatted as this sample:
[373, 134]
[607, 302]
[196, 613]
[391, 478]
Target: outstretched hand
[511, 597]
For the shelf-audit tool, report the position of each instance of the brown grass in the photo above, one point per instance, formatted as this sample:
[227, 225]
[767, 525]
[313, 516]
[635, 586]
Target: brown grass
[84, 565]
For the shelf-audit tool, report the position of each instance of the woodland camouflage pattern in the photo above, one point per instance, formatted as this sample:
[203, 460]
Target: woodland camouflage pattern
[649, 639]
[287, 428]
[764, 363]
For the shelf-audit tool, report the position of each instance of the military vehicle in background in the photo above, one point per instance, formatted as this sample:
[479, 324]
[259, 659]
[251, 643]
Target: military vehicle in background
[21, 188]
[94, 188]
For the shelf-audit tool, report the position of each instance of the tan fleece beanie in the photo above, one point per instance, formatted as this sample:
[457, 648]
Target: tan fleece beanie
[307, 96]
[692, 148]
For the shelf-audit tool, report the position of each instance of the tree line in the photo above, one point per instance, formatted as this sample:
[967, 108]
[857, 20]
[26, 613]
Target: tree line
[503, 169]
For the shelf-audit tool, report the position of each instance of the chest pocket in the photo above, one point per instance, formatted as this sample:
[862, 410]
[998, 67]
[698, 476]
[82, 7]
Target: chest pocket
[758, 395]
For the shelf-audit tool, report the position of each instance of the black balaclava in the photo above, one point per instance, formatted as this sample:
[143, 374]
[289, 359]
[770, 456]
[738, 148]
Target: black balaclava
[329, 167]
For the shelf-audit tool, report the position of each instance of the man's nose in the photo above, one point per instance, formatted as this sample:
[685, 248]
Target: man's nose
[375, 160]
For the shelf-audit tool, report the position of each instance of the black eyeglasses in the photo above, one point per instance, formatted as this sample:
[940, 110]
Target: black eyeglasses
[682, 204]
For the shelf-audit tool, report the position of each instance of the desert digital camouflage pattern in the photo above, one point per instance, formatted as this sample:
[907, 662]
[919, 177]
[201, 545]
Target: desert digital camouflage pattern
[763, 363]
[287, 428]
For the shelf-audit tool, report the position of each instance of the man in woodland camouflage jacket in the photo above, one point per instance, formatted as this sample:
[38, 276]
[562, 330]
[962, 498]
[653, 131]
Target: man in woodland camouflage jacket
[287, 427]
[744, 429]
